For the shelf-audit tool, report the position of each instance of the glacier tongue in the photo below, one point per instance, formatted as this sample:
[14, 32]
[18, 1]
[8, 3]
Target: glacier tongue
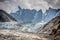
[27, 27]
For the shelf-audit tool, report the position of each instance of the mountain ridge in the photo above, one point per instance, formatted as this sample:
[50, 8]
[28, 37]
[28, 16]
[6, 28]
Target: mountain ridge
[27, 15]
[5, 17]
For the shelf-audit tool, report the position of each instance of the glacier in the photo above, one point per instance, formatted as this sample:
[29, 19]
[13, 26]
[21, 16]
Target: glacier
[25, 27]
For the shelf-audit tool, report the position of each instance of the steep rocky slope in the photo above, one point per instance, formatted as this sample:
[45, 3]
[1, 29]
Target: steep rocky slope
[5, 17]
[52, 28]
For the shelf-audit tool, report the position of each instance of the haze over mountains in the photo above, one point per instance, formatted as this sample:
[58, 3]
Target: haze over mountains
[33, 16]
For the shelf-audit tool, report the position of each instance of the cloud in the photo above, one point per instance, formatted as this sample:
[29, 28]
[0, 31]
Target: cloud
[8, 6]
[12, 5]
[2, 0]
[54, 3]
[34, 4]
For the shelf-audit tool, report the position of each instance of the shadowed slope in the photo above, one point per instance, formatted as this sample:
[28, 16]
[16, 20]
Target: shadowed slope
[5, 17]
[52, 28]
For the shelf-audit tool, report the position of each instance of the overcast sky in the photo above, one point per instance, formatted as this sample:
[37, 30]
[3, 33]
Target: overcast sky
[12, 5]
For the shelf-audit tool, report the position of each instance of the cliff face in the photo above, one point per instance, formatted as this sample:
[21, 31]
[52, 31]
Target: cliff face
[52, 28]
[5, 17]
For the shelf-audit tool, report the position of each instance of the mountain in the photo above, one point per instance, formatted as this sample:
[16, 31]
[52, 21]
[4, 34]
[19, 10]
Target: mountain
[52, 28]
[27, 15]
[5, 17]
[24, 15]
[38, 17]
[51, 31]
[33, 16]
[50, 13]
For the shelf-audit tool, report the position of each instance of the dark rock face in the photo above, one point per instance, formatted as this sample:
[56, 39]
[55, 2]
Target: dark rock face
[52, 28]
[5, 17]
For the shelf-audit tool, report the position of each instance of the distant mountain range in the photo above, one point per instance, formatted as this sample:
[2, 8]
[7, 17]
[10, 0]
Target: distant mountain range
[29, 16]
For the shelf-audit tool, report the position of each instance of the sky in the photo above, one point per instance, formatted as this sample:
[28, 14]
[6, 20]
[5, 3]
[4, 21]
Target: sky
[12, 5]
